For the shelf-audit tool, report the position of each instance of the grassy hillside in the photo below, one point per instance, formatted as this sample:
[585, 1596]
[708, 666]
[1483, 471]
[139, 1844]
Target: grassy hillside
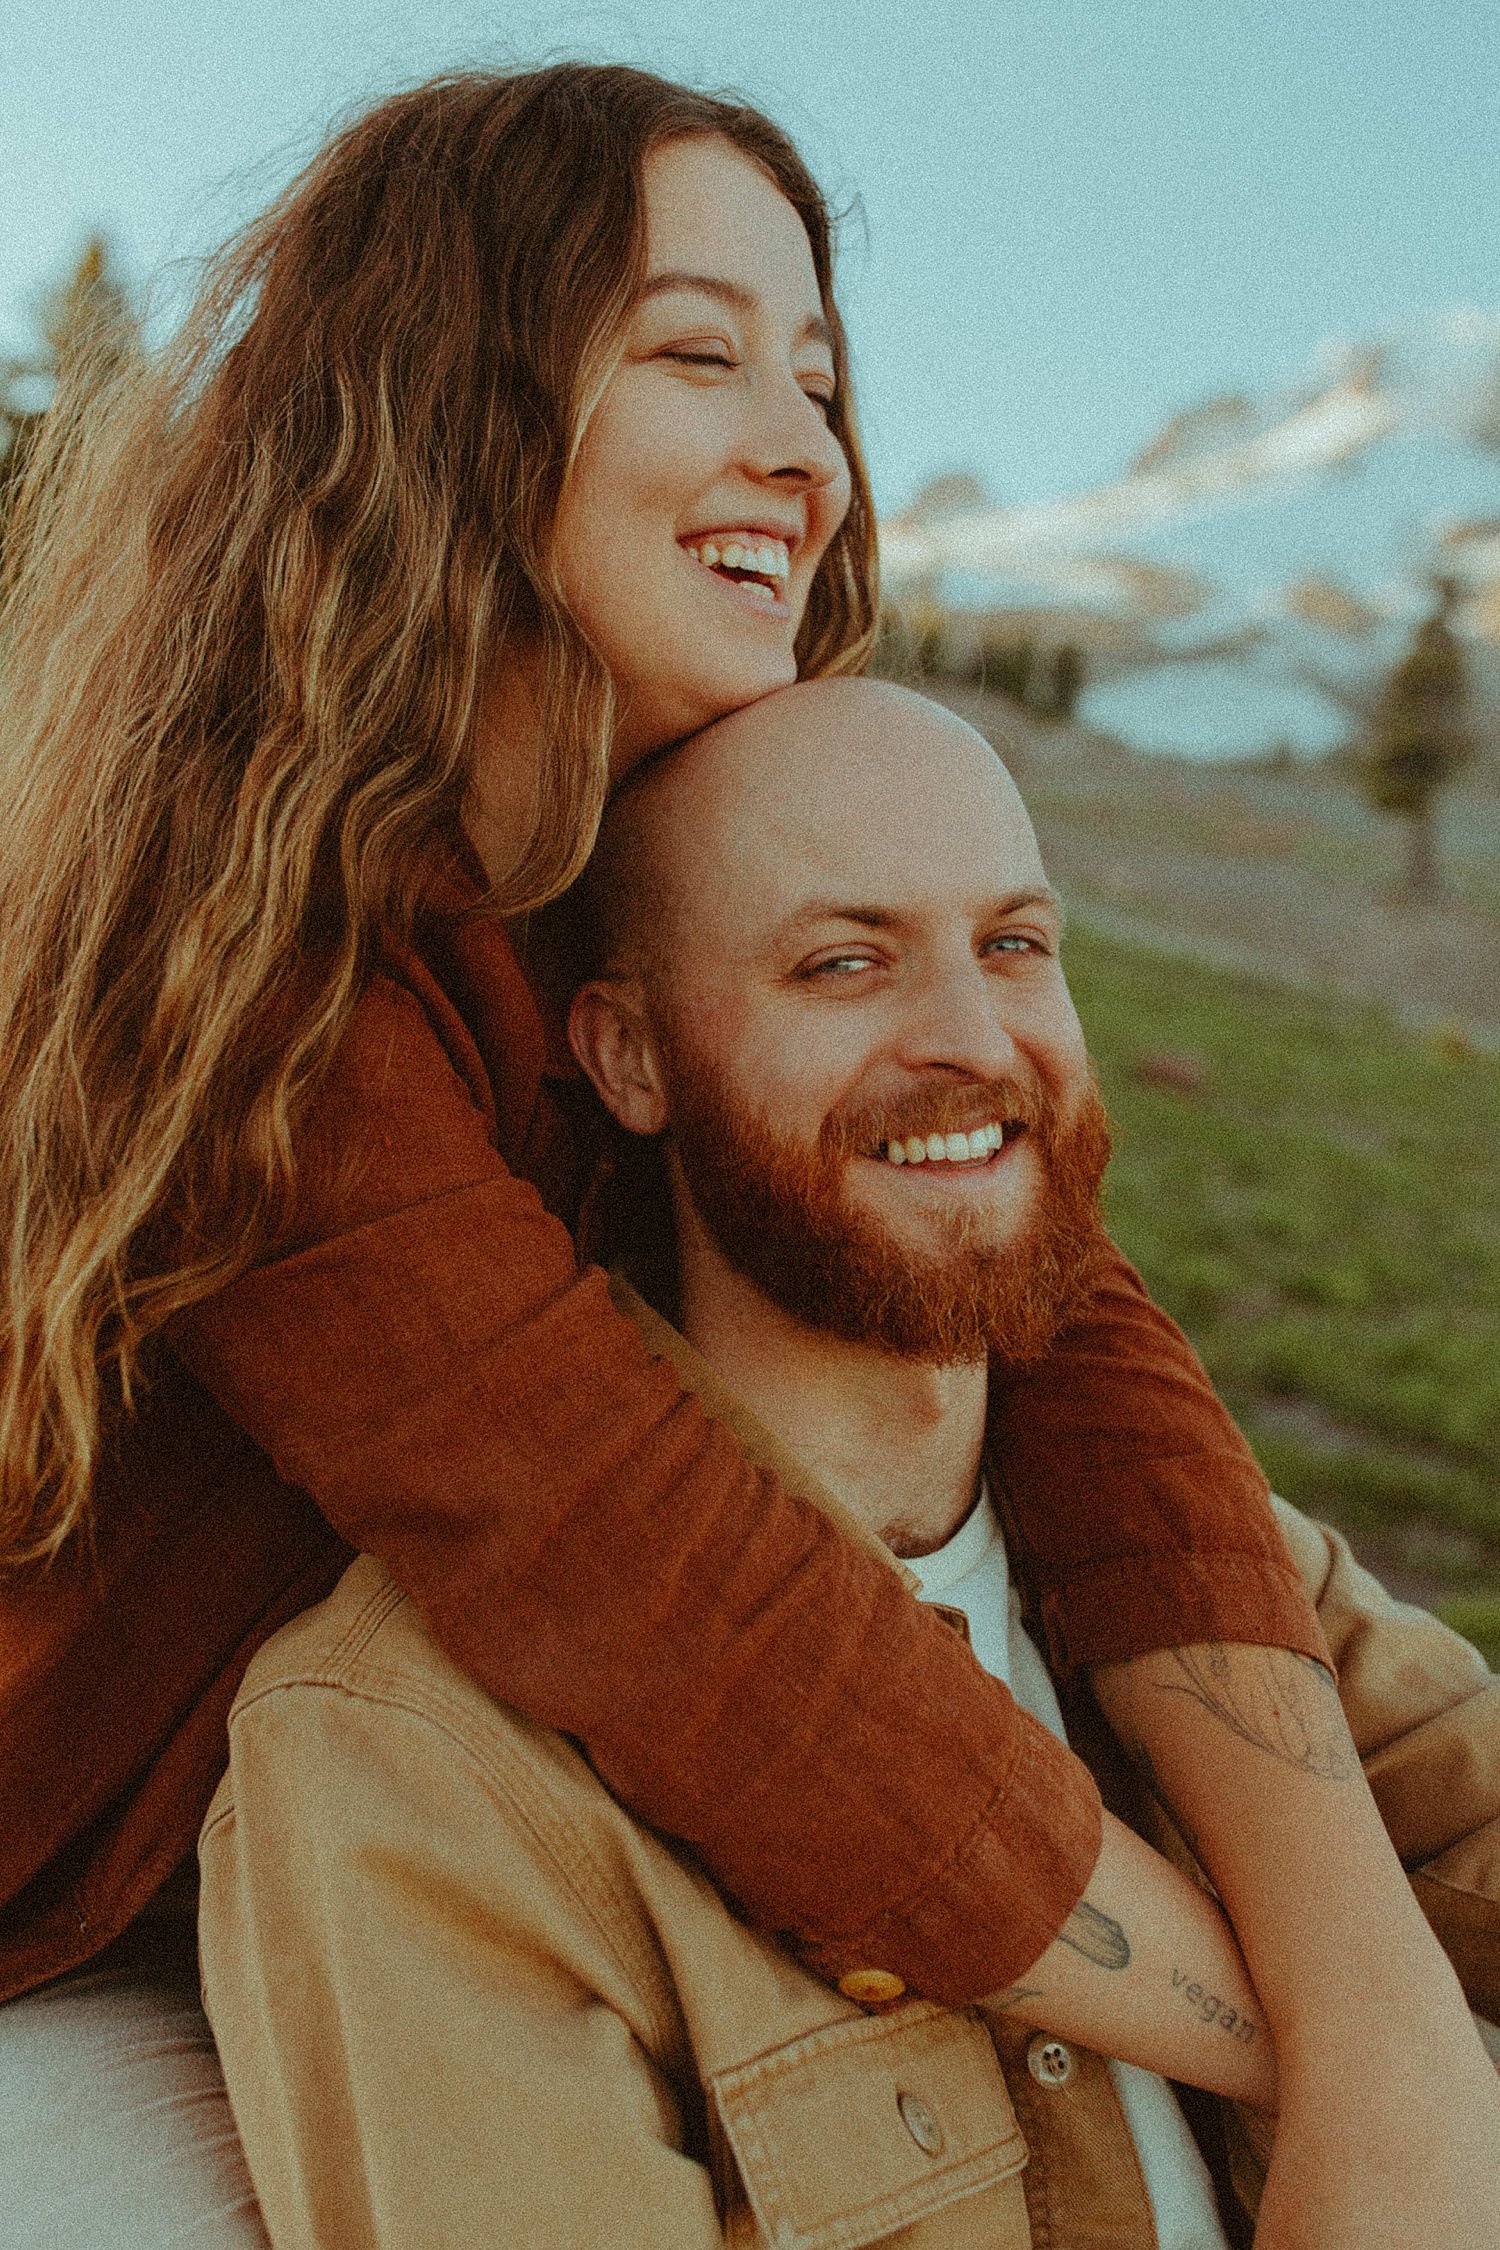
[1321, 1211]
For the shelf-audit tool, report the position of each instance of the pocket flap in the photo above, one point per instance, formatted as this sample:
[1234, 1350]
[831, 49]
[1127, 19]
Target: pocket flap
[861, 2127]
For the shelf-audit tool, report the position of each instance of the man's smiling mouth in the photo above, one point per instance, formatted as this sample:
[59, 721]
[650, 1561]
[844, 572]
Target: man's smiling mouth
[978, 1146]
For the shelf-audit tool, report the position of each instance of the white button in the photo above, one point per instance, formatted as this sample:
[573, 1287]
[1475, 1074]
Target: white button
[920, 2123]
[1049, 2061]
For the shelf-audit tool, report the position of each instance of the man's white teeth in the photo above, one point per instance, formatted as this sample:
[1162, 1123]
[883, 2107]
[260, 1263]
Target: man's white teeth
[946, 1148]
[769, 558]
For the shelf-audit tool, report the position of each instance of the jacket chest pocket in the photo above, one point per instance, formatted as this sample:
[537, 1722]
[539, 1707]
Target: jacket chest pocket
[870, 2126]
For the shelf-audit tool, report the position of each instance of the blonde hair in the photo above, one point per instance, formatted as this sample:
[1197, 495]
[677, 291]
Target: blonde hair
[254, 587]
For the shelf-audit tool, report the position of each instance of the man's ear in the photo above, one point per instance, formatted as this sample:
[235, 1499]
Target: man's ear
[608, 1032]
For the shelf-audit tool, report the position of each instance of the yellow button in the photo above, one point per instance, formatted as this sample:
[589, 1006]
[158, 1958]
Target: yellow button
[870, 1986]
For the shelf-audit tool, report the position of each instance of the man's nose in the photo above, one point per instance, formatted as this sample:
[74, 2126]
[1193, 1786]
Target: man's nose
[955, 1022]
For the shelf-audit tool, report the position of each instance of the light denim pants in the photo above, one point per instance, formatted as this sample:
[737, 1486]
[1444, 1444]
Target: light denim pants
[115, 2129]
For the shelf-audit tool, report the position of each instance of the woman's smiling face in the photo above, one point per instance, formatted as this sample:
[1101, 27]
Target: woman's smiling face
[708, 483]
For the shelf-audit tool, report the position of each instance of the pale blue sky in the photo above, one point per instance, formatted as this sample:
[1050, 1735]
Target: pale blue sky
[1079, 215]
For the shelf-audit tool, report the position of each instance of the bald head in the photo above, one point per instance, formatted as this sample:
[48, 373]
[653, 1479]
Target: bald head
[850, 791]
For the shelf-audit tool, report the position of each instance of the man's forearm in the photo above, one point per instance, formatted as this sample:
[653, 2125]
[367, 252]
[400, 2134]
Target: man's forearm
[1146, 1969]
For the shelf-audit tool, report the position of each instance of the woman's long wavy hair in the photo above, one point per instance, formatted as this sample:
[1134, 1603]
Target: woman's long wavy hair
[255, 589]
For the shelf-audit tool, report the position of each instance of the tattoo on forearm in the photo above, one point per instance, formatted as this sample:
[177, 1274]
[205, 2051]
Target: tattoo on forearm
[1016, 1994]
[1279, 1704]
[1213, 2008]
[1098, 1937]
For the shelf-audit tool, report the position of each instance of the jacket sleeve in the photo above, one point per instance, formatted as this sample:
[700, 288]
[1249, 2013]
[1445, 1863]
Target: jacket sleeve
[1138, 1512]
[427, 2023]
[591, 1548]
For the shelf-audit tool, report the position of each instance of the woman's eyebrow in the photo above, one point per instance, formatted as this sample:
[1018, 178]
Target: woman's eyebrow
[815, 328]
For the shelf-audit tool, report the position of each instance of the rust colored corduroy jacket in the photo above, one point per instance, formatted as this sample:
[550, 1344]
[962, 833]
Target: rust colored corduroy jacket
[423, 1374]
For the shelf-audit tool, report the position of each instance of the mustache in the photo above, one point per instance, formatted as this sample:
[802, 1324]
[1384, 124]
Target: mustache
[860, 1128]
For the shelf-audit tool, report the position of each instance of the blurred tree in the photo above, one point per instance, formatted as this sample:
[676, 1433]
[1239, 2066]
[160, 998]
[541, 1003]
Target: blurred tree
[1420, 736]
[1007, 666]
[1044, 683]
[1067, 679]
[929, 643]
[916, 642]
[90, 311]
[86, 316]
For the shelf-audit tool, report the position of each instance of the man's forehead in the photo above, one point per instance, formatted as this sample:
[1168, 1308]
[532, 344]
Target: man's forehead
[850, 795]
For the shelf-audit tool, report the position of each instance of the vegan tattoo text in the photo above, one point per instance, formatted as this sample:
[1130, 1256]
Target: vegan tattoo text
[1213, 2008]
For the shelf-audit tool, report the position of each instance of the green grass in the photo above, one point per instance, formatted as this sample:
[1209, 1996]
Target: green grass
[1323, 1217]
[1477, 1617]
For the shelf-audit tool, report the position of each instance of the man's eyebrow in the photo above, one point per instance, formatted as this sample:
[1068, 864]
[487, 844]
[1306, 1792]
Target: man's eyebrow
[889, 918]
[815, 328]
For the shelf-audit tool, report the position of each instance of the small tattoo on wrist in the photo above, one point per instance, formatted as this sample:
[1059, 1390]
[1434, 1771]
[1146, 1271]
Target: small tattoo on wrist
[1098, 1937]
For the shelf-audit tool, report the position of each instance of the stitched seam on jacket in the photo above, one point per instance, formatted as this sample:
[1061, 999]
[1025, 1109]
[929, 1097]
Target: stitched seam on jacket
[332, 1668]
[514, 1778]
[753, 2105]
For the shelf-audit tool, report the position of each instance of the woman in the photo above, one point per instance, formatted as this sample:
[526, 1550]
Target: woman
[327, 634]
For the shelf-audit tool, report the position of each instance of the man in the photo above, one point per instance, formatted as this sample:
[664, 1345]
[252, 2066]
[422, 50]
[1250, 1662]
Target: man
[832, 998]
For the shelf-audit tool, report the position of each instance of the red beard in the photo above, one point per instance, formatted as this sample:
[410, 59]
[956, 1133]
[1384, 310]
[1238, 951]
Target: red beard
[779, 1214]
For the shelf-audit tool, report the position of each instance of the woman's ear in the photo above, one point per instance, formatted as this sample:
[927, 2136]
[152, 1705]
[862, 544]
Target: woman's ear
[608, 1032]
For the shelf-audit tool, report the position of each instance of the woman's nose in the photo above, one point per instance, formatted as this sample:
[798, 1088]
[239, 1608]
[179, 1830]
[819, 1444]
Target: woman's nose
[791, 443]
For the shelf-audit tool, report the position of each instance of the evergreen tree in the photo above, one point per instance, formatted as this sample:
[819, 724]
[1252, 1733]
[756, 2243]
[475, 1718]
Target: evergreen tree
[1007, 665]
[1067, 679]
[88, 314]
[1420, 737]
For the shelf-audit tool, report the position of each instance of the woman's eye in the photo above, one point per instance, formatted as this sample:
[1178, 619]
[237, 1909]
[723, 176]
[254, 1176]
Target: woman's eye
[1015, 941]
[702, 359]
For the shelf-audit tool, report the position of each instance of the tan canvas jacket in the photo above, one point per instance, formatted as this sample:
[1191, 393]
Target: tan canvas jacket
[465, 2002]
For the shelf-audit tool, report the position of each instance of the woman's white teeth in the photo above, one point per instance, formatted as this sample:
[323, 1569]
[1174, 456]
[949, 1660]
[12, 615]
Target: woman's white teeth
[768, 558]
[946, 1148]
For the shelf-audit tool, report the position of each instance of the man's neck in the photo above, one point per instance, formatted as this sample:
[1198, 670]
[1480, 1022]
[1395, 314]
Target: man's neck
[897, 1441]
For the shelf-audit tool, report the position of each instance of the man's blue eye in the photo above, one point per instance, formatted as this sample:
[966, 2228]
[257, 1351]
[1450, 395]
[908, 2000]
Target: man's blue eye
[837, 964]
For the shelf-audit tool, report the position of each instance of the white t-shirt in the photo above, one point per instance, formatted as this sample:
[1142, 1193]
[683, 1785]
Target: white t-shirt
[972, 1573]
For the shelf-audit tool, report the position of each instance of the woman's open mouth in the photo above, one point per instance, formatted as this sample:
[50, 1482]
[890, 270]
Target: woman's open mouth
[752, 564]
